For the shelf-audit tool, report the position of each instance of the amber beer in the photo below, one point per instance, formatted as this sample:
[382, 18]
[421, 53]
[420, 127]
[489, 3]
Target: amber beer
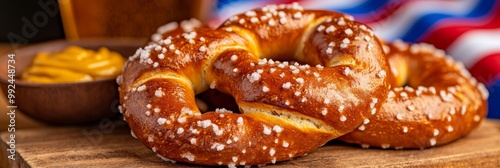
[125, 18]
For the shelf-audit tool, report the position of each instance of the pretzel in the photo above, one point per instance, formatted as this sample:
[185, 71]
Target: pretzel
[288, 107]
[433, 101]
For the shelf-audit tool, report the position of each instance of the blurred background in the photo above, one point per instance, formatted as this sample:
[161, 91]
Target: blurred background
[469, 30]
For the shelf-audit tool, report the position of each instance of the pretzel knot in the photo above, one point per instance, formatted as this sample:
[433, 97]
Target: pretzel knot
[300, 78]
[433, 101]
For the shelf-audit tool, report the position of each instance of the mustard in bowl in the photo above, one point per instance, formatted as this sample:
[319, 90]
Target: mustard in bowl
[67, 102]
[74, 64]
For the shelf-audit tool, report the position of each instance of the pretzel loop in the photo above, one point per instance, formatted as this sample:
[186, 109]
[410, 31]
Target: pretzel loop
[434, 100]
[300, 78]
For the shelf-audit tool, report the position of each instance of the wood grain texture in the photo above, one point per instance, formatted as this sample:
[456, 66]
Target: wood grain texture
[111, 145]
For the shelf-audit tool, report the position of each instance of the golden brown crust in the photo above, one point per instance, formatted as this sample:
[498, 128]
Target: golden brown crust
[440, 103]
[288, 107]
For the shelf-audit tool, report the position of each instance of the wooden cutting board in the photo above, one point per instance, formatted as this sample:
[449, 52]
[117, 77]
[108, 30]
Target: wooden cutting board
[111, 145]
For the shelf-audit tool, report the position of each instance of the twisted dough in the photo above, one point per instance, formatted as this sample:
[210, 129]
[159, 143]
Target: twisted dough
[440, 103]
[288, 107]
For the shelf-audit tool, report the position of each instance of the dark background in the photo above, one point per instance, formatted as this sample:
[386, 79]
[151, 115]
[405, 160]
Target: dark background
[12, 13]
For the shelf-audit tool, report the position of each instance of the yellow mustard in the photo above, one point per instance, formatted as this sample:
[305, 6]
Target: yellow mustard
[74, 64]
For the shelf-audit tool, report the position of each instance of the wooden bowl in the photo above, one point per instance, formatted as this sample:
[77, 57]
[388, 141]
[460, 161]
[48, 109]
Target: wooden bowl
[65, 103]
